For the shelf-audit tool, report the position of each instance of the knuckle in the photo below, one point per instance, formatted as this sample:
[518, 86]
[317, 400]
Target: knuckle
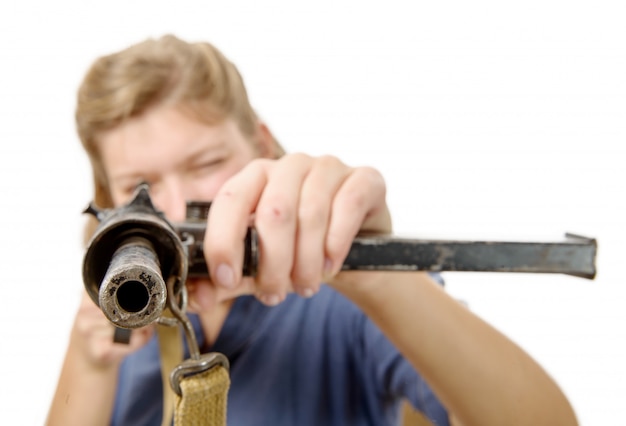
[336, 246]
[227, 191]
[298, 157]
[369, 174]
[328, 161]
[374, 177]
[237, 184]
[367, 184]
[272, 278]
[82, 329]
[306, 277]
[294, 159]
[312, 214]
[276, 212]
[259, 163]
[355, 199]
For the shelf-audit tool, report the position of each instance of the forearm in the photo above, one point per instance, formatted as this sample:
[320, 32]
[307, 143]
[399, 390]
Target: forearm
[479, 374]
[85, 393]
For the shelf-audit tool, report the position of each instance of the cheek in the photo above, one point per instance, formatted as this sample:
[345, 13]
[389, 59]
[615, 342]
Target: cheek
[119, 198]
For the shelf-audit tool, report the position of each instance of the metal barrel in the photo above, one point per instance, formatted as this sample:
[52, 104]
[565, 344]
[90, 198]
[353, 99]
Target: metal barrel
[133, 293]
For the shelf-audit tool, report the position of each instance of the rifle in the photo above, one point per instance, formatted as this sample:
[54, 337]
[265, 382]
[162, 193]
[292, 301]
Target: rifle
[136, 263]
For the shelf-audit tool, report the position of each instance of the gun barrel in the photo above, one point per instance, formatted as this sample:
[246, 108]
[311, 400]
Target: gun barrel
[133, 293]
[131, 260]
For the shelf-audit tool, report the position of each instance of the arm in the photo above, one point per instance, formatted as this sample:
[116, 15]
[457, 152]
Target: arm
[86, 388]
[479, 374]
[307, 211]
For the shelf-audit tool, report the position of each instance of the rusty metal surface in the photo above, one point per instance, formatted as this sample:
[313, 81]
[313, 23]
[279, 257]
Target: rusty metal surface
[574, 255]
[134, 247]
[193, 235]
[135, 251]
[132, 292]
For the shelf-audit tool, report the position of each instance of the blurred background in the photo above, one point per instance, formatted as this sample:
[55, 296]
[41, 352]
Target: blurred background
[489, 120]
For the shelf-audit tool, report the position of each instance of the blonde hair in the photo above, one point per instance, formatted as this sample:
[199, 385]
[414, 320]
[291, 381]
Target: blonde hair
[159, 71]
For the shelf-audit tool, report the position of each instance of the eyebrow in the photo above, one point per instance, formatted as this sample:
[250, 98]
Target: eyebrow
[203, 154]
[198, 154]
[125, 180]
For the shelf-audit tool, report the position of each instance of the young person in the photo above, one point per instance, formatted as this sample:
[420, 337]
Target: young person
[176, 115]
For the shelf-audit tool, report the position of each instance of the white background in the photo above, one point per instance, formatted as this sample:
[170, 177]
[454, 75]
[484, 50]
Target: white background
[501, 120]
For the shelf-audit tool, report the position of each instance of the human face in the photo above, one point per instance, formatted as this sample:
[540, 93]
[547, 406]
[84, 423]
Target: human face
[181, 158]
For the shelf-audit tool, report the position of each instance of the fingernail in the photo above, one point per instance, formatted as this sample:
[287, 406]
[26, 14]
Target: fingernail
[270, 299]
[203, 297]
[306, 292]
[225, 276]
[328, 268]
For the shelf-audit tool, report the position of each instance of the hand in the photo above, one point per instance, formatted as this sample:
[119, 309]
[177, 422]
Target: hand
[306, 211]
[92, 337]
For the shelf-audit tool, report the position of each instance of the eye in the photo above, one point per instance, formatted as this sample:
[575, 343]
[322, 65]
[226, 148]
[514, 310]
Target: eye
[122, 190]
[206, 166]
[130, 188]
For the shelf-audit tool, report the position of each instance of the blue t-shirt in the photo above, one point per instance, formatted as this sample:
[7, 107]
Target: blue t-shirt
[317, 361]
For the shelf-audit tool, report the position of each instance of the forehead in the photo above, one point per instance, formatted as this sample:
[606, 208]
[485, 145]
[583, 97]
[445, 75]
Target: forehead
[161, 138]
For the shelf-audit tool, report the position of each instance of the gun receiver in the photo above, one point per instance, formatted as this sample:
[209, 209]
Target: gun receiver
[136, 260]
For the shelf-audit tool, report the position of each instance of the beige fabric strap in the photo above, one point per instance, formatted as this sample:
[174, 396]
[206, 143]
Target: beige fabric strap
[171, 349]
[204, 395]
[412, 417]
[204, 398]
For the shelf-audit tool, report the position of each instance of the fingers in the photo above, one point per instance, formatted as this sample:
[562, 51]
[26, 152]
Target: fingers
[228, 222]
[93, 333]
[270, 191]
[312, 260]
[306, 212]
[357, 206]
[277, 221]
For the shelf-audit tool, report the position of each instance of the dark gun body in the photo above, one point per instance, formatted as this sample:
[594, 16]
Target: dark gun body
[573, 256]
[137, 261]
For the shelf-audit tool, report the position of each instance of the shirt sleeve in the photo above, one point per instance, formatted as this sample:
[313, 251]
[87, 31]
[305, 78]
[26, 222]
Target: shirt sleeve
[393, 375]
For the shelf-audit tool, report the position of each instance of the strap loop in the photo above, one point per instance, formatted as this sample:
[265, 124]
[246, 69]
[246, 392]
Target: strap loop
[203, 399]
[191, 367]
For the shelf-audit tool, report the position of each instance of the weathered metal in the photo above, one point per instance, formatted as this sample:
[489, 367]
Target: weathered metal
[575, 255]
[132, 254]
[135, 251]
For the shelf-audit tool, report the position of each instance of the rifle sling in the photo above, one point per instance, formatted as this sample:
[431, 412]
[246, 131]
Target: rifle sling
[203, 399]
[171, 351]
